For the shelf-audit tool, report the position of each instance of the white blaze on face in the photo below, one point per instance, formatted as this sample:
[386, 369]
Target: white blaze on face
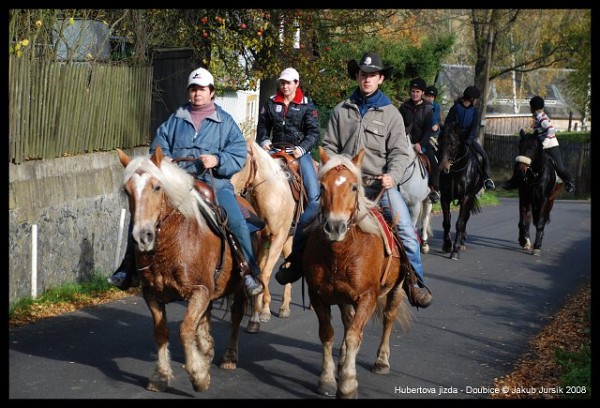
[140, 181]
[340, 180]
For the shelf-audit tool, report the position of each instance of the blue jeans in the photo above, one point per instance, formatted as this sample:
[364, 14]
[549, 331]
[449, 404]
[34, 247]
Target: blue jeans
[237, 224]
[392, 199]
[313, 193]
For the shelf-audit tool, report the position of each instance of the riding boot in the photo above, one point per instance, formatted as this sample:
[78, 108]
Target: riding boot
[248, 272]
[126, 275]
[417, 296]
[514, 181]
[562, 172]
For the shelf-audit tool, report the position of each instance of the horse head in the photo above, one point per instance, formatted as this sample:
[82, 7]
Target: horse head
[156, 187]
[530, 152]
[341, 186]
[452, 146]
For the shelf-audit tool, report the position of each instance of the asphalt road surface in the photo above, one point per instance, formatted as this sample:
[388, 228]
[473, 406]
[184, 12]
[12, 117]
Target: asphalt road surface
[486, 308]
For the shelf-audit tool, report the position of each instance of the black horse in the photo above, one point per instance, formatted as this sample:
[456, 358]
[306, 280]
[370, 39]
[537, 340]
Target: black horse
[537, 190]
[461, 179]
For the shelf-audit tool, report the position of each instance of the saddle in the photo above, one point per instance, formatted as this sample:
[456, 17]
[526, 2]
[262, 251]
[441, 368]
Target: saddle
[293, 175]
[221, 229]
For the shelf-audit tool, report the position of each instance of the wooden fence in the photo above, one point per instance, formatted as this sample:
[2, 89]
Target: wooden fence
[58, 109]
[503, 149]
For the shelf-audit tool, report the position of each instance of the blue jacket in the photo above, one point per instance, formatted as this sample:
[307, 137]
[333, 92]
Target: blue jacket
[467, 117]
[219, 135]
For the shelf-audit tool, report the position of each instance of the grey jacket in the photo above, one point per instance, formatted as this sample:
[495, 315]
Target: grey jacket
[381, 132]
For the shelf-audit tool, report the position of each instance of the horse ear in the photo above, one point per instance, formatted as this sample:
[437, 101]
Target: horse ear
[359, 157]
[123, 157]
[323, 155]
[522, 133]
[157, 156]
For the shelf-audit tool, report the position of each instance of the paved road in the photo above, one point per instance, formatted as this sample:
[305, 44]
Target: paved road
[487, 305]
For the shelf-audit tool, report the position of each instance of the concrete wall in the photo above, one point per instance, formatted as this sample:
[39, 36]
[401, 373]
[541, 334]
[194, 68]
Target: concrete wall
[76, 204]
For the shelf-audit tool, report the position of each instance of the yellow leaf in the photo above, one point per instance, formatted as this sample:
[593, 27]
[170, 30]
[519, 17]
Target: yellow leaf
[25, 43]
[17, 46]
[38, 24]
[19, 54]
[71, 21]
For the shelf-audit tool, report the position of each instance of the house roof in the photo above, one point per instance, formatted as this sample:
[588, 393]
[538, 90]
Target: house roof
[508, 94]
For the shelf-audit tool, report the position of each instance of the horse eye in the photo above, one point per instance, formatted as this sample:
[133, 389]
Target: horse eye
[354, 187]
[157, 188]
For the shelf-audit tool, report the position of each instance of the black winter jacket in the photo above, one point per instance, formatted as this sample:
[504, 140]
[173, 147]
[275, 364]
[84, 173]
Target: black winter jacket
[299, 125]
[418, 120]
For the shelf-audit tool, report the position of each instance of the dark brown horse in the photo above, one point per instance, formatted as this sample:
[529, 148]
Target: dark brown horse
[537, 191]
[179, 257]
[461, 178]
[349, 263]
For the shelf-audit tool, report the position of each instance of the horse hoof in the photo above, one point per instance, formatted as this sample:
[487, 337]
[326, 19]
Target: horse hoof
[462, 248]
[455, 256]
[264, 317]
[447, 248]
[228, 365]
[327, 389]
[536, 252]
[381, 369]
[157, 386]
[424, 248]
[253, 327]
[284, 312]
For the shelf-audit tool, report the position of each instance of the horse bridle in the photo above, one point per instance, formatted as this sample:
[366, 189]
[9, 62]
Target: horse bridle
[354, 219]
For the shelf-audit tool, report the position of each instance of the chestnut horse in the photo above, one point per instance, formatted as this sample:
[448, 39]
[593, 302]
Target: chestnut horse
[263, 182]
[537, 191]
[180, 257]
[461, 179]
[346, 263]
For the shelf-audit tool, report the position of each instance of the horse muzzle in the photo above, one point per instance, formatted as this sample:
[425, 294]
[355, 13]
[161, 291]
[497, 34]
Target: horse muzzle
[336, 229]
[144, 237]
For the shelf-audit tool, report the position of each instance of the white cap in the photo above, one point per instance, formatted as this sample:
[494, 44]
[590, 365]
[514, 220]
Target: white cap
[201, 77]
[289, 74]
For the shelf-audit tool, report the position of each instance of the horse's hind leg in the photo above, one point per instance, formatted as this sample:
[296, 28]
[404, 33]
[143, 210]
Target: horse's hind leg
[447, 218]
[230, 358]
[425, 223]
[392, 301]
[284, 309]
[160, 378]
[539, 221]
[197, 356]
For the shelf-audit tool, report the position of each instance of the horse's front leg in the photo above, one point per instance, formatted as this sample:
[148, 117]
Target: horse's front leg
[230, 358]
[347, 380]
[425, 223]
[539, 220]
[524, 222]
[464, 214]
[160, 378]
[327, 384]
[447, 218]
[198, 356]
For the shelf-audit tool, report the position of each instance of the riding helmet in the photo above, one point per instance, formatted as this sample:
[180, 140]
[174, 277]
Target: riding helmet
[536, 103]
[471, 92]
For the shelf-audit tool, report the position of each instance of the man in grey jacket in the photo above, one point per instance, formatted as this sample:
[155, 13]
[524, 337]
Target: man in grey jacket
[368, 119]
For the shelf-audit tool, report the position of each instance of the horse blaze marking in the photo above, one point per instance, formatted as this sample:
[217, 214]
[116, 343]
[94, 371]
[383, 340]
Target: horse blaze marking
[340, 180]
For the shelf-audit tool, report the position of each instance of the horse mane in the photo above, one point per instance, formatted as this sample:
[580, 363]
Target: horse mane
[178, 185]
[367, 223]
[271, 167]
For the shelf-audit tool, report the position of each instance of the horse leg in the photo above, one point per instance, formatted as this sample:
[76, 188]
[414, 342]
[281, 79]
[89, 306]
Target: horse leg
[197, 356]
[230, 358]
[461, 226]
[347, 314]
[204, 338]
[524, 223]
[327, 385]
[390, 311]
[447, 218]
[284, 309]
[347, 381]
[160, 378]
[539, 220]
[425, 223]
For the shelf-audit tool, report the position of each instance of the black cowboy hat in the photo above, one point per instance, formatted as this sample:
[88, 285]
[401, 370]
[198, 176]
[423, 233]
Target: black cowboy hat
[370, 62]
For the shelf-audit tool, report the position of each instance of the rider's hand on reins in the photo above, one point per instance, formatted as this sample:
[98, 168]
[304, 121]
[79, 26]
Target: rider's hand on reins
[209, 161]
[386, 181]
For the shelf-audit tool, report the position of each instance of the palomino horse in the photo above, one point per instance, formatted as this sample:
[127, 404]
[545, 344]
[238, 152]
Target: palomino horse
[537, 191]
[263, 182]
[347, 263]
[461, 178]
[414, 187]
[180, 257]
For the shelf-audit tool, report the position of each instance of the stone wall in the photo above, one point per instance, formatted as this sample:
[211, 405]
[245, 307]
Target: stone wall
[76, 204]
